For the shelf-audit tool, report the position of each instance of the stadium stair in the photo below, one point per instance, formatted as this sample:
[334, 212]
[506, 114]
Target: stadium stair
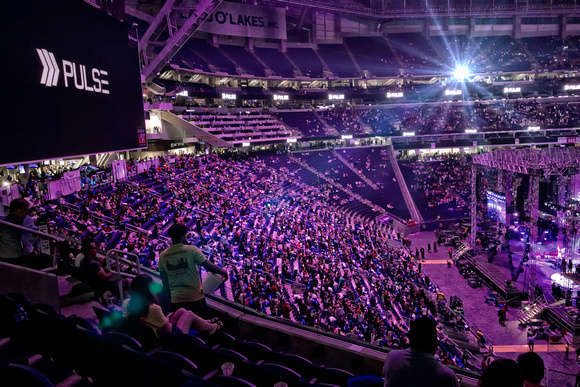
[460, 251]
[327, 128]
[193, 130]
[297, 72]
[532, 310]
[351, 56]
[411, 206]
[352, 168]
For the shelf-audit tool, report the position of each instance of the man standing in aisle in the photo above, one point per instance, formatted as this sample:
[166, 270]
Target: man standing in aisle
[179, 270]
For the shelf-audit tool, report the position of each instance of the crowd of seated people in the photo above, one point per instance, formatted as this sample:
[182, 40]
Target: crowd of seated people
[440, 182]
[344, 120]
[379, 120]
[552, 52]
[132, 216]
[349, 280]
[446, 118]
[531, 113]
[325, 263]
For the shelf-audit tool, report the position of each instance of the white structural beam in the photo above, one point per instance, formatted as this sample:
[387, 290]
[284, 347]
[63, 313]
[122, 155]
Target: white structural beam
[144, 40]
[138, 14]
[179, 38]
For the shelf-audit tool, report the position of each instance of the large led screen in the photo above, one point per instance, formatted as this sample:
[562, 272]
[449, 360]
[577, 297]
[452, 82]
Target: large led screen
[70, 79]
[496, 206]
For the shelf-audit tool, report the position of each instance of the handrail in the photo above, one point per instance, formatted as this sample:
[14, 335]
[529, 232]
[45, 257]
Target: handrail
[101, 217]
[353, 168]
[116, 255]
[69, 206]
[411, 205]
[92, 214]
[345, 189]
[136, 229]
[87, 186]
[42, 234]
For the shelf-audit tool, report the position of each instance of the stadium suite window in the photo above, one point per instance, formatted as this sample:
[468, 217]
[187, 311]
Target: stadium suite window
[402, 22]
[488, 21]
[540, 20]
[458, 21]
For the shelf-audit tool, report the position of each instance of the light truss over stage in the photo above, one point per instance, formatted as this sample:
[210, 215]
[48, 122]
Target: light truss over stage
[547, 161]
[562, 162]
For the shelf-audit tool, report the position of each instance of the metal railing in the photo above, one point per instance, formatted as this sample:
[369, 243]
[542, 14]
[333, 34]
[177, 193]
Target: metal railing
[411, 205]
[135, 263]
[40, 234]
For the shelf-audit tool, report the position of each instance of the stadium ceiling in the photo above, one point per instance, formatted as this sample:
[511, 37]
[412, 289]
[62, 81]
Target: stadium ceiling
[547, 161]
[379, 10]
[383, 12]
[172, 22]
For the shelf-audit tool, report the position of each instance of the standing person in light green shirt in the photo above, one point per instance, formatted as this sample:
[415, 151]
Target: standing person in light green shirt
[179, 270]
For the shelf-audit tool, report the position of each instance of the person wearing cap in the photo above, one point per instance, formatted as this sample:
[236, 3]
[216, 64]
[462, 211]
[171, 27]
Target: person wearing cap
[417, 366]
[178, 266]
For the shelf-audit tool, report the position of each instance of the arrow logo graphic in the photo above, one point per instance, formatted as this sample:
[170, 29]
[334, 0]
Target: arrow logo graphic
[50, 70]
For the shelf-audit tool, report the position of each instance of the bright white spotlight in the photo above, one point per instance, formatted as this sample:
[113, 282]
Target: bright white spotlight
[461, 72]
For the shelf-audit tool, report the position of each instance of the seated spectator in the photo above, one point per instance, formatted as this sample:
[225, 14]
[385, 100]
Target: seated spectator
[533, 369]
[86, 245]
[416, 366]
[502, 373]
[96, 275]
[141, 307]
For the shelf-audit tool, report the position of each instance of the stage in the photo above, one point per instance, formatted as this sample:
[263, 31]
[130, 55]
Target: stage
[546, 265]
[511, 339]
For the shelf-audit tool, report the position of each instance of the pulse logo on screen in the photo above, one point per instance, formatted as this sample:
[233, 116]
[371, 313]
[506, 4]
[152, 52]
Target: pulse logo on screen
[78, 73]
